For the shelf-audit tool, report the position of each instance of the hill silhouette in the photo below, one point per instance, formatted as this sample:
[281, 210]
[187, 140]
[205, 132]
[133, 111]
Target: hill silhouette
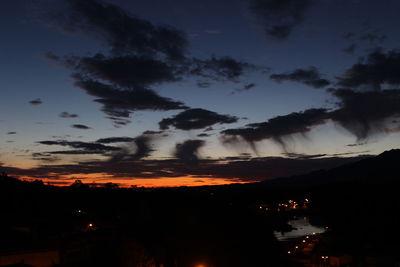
[381, 169]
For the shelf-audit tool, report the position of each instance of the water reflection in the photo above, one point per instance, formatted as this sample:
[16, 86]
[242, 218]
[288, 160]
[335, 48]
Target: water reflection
[302, 227]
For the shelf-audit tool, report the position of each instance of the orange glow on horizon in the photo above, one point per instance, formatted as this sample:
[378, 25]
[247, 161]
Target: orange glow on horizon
[100, 179]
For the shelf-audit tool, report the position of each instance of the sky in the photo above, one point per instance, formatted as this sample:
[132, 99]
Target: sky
[189, 93]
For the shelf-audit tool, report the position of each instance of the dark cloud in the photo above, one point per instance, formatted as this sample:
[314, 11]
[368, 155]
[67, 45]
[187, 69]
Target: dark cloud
[356, 144]
[249, 86]
[279, 17]
[12, 133]
[81, 147]
[149, 132]
[118, 122]
[121, 103]
[363, 114]
[36, 102]
[137, 149]
[130, 77]
[278, 127]
[203, 84]
[110, 140]
[303, 156]
[310, 76]
[196, 119]
[143, 71]
[366, 113]
[67, 115]
[220, 68]
[128, 71]
[143, 55]
[123, 32]
[203, 135]
[46, 157]
[246, 87]
[80, 126]
[377, 69]
[188, 151]
[76, 152]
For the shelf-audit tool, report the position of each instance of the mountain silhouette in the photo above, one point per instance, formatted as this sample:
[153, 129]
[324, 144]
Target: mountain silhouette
[381, 169]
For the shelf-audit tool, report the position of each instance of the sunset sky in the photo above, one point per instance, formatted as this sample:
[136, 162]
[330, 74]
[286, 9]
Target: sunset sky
[173, 92]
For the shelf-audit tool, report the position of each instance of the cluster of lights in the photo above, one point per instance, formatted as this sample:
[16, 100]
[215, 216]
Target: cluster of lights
[303, 242]
[289, 205]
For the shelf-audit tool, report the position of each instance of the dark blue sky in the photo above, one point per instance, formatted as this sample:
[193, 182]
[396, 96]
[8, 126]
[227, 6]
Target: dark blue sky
[215, 82]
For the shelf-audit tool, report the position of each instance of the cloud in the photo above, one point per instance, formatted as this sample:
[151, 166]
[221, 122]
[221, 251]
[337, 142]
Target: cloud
[142, 55]
[138, 148]
[219, 68]
[11, 133]
[123, 32]
[121, 103]
[67, 115]
[130, 77]
[118, 122]
[36, 102]
[377, 69]
[188, 151]
[279, 17]
[196, 118]
[249, 86]
[310, 76]
[203, 84]
[303, 156]
[81, 147]
[110, 140]
[365, 113]
[246, 87]
[46, 157]
[149, 132]
[128, 71]
[356, 144]
[278, 127]
[80, 126]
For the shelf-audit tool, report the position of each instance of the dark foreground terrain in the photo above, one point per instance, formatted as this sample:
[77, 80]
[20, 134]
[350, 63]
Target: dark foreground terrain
[358, 205]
